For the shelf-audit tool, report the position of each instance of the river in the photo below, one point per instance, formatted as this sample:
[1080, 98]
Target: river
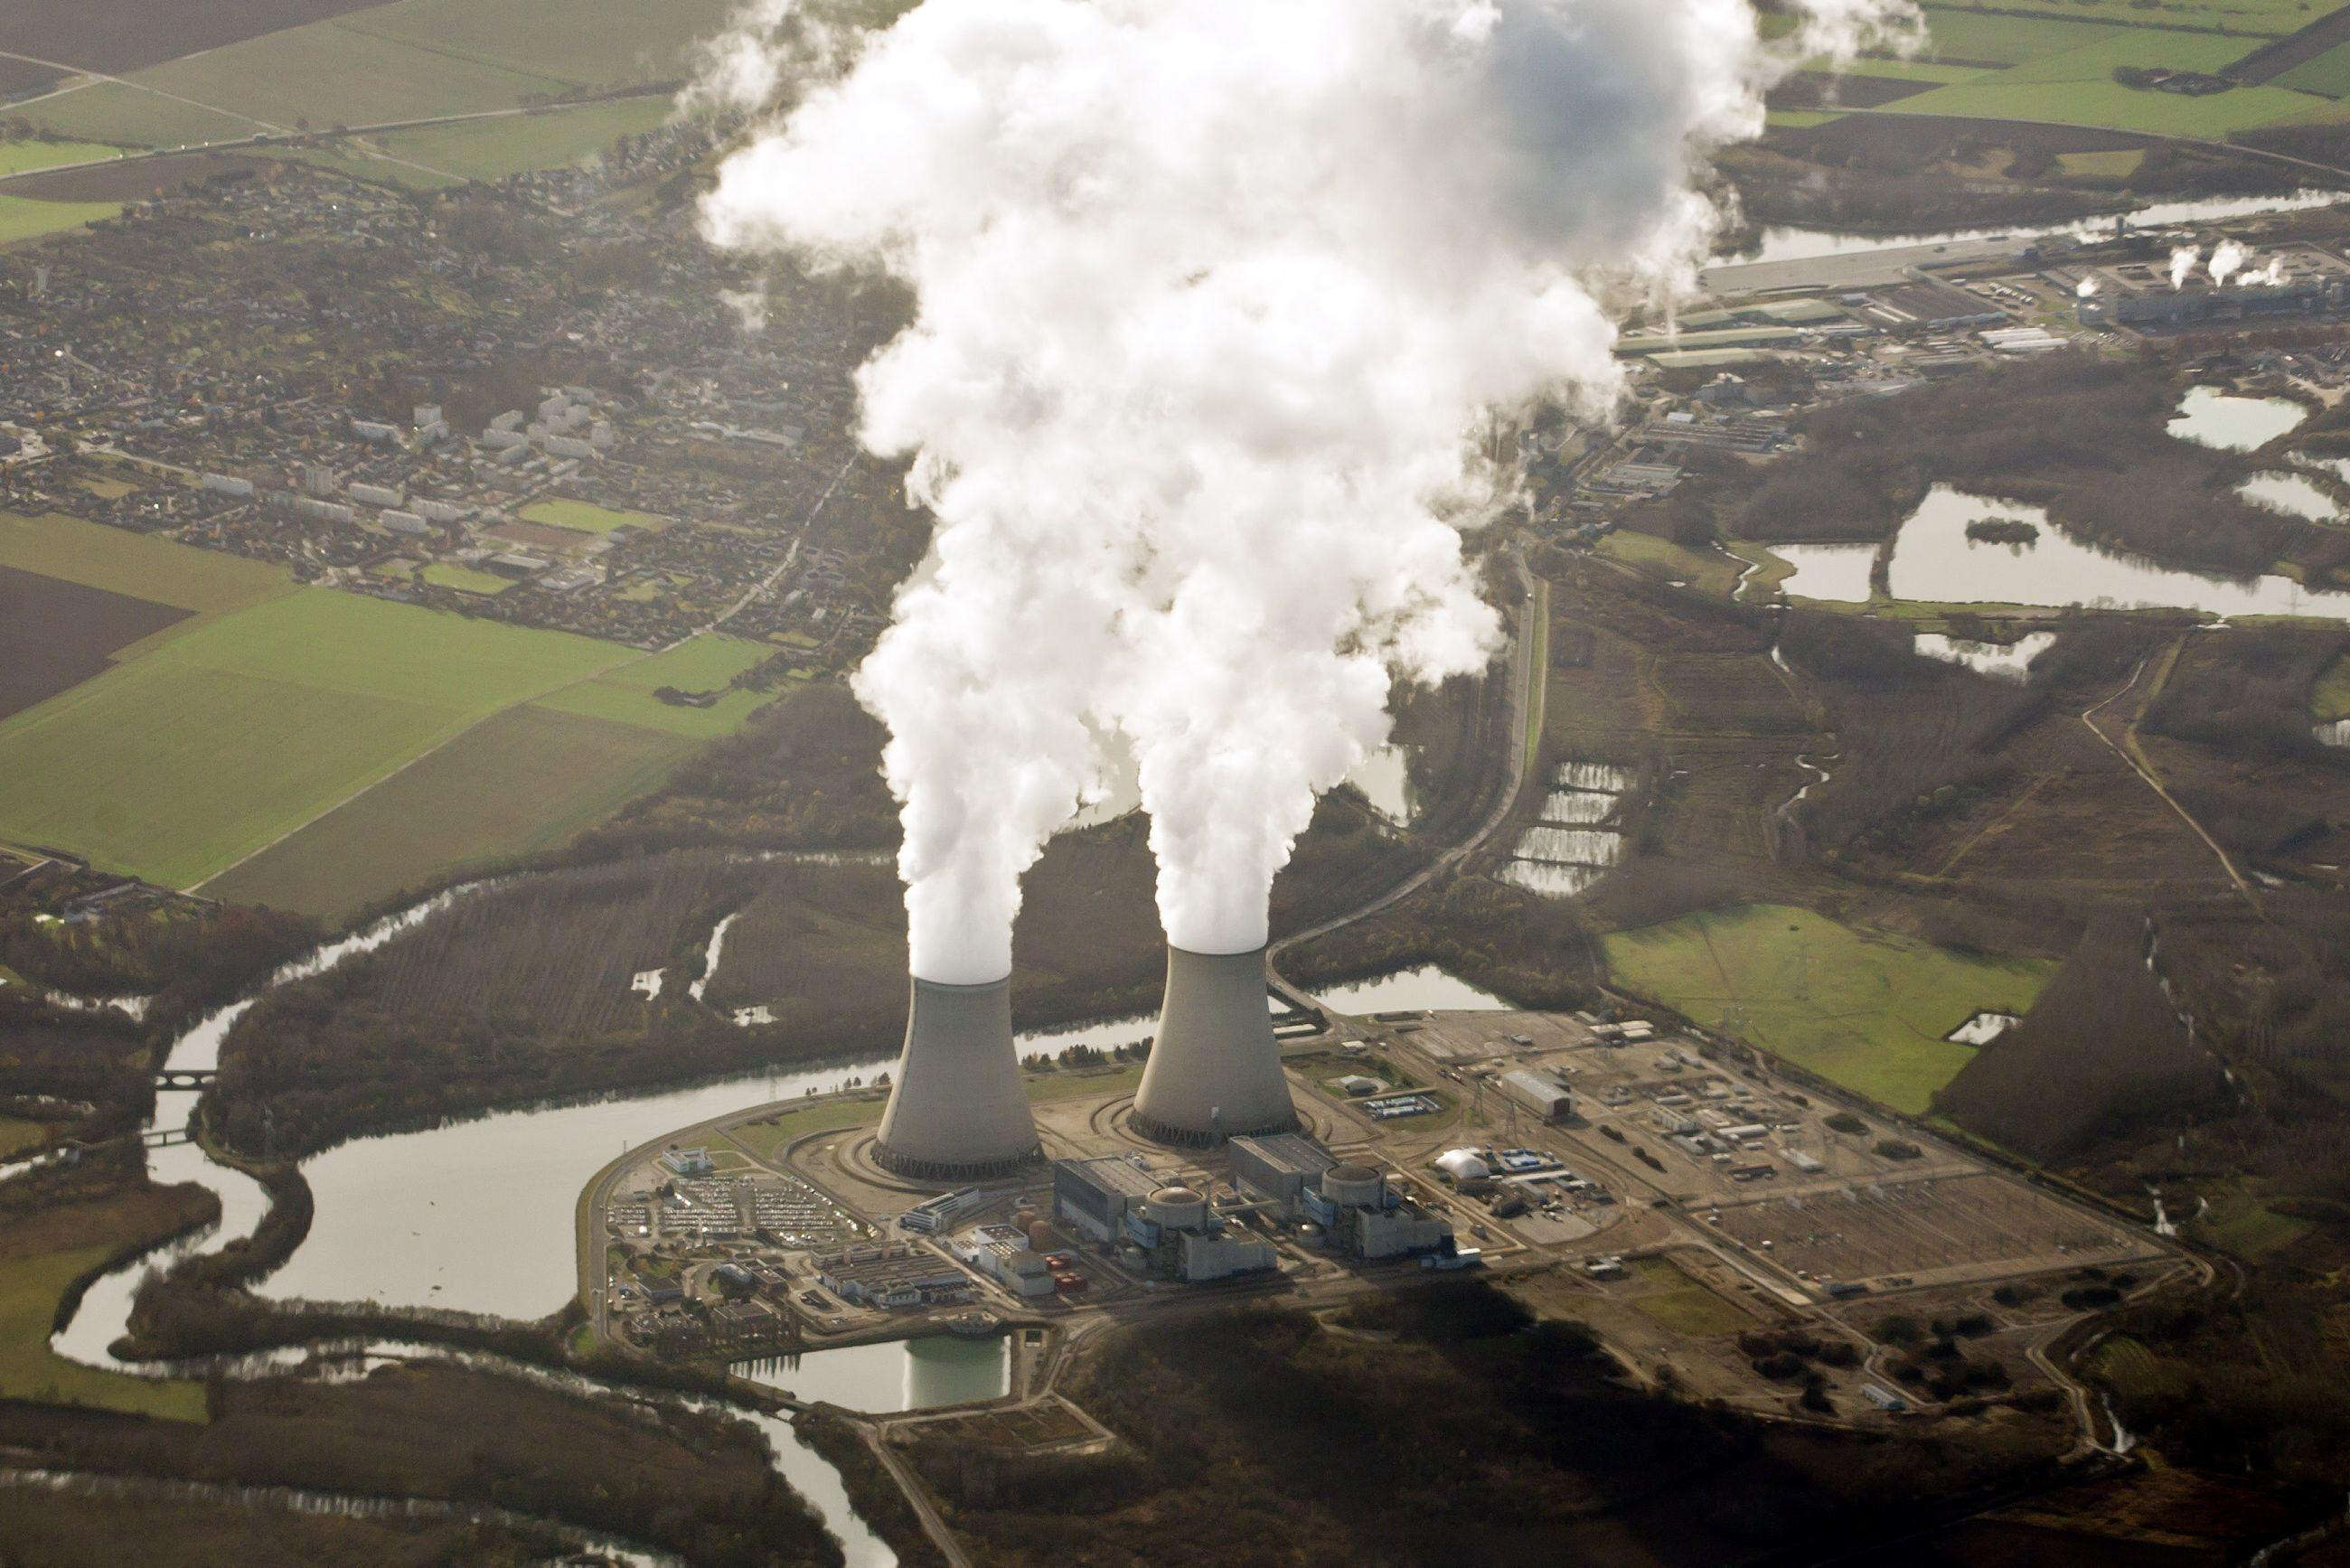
[477, 1215]
[1784, 244]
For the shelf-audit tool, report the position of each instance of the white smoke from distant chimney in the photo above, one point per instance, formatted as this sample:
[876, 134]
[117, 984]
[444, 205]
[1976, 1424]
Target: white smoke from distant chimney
[2182, 262]
[1210, 296]
[2085, 288]
[2226, 257]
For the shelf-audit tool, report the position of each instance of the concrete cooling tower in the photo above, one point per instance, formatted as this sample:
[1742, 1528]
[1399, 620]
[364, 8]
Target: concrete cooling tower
[958, 1111]
[1214, 1071]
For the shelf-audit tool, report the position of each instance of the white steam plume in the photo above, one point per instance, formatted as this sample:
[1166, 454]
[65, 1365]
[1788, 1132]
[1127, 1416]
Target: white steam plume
[2182, 262]
[2226, 257]
[2085, 288]
[1211, 295]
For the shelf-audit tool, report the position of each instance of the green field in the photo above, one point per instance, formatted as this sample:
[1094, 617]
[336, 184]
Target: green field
[1707, 571]
[411, 60]
[16, 1136]
[769, 1138]
[525, 780]
[139, 564]
[465, 579]
[2329, 699]
[2328, 74]
[23, 157]
[706, 664]
[1682, 1304]
[517, 144]
[30, 1290]
[1863, 1008]
[2249, 21]
[23, 218]
[2074, 86]
[581, 517]
[2240, 1223]
[177, 764]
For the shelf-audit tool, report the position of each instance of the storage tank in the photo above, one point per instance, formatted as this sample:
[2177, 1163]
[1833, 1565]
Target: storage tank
[958, 1110]
[1214, 1070]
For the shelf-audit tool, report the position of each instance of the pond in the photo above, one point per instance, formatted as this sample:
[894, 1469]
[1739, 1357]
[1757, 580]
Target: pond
[897, 1375]
[2209, 416]
[2292, 494]
[1838, 572]
[1427, 989]
[1934, 561]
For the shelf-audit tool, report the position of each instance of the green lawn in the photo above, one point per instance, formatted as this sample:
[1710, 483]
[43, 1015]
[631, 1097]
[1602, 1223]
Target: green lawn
[23, 218]
[23, 156]
[582, 517]
[1865, 1009]
[769, 1138]
[176, 765]
[2250, 21]
[465, 579]
[2240, 1222]
[706, 664]
[1063, 1084]
[527, 779]
[1956, 34]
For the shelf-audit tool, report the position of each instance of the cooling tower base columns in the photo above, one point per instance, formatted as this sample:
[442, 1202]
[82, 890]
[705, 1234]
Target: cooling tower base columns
[1214, 1071]
[958, 1111]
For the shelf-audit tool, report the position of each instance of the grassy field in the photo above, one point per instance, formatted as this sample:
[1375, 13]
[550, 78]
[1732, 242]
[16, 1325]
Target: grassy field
[2240, 1223]
[493, 149]
[465, 579]
[2075, 87]
[706, 664]
[1062, 1084]
[2328, 74]
[16, 1136]
[582, 517]
[228, 736]
[24, 157]
[525, 780]
[1865, 1009]
[1707, 571]
[1681, 1304]
[411, 60]
[23, 218]
[2329, 699]
[769, 1138]
[40, 1260]
[143, 568]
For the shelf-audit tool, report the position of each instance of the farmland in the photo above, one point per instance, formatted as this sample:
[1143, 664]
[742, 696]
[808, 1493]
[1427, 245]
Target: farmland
[411, 60]
[523, 781]
[54, 634]
[1865, 1009]
[2059, 68]
[706, 664]
[512, 144]
[119, 38]
[232, 734]
[137, 564]
[24, 157]
[465, 579]
[23, 218]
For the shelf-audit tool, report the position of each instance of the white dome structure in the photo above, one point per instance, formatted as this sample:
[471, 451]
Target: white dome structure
[1464, 1165]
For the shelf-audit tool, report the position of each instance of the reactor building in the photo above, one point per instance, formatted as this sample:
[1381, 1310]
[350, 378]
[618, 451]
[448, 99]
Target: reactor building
[1214, 1070]
[958, 1110]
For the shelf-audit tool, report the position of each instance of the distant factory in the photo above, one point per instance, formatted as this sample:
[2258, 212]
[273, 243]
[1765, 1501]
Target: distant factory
[2306, 281]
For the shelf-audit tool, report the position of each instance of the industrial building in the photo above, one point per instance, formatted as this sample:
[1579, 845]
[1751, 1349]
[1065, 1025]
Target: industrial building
[958, 1111]
[1093, 1197]
[1538, 1092]
[892, 1277]
[1002, 1252]
[1360, 1212]
[1280, 1166]
[1214, 1070]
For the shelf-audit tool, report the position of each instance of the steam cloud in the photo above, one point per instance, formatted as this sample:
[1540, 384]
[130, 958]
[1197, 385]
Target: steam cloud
[2182, 262]
[1211, 298]
[2226, 257]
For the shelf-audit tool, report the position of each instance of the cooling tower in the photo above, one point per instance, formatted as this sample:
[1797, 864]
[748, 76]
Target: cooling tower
[958, 1111]
[1215, 1069]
